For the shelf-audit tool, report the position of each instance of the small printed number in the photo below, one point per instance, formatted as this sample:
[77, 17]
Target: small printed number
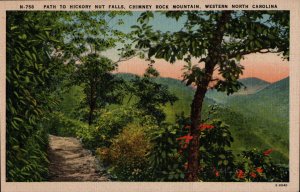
[26, 6]
[281, 185]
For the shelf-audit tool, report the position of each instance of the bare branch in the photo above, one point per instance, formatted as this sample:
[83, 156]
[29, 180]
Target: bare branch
[235, 54]
[124, 59]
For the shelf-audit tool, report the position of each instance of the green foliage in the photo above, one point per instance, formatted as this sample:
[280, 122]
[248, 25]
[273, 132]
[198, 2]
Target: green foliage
[215, 152]
[168, 157]
[239, 33]
[30, 162]
[151, 96]
[230, 71]
[39, 47]
[110, 124]
[28, 83]
[219, 163]
[175, 87]
[61, 125]
[90, 32]
[69, 101]
[127, 154]
[94, 74]
[258, 166]
[165, 161]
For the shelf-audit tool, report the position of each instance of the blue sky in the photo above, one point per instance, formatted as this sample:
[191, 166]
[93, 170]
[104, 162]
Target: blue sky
[159, 22]
[271, 67]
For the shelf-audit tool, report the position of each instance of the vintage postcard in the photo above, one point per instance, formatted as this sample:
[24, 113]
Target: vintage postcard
[150, 95]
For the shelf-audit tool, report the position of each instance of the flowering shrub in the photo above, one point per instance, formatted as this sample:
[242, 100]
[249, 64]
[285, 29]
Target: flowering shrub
[267, 152]
[217, 161]
[166, 161]
[169, 155]
[145, 152]
[255, 165]
[185, 140]
[126, 156]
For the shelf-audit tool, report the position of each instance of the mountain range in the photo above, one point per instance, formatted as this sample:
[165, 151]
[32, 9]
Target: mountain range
[261, 117]
[258, 115]
[251, 86]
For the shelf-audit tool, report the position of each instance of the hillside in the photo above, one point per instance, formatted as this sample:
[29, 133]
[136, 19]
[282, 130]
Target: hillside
[266, 115]
[252, 85]
[184, 93]
[271, 103]
[258, 120]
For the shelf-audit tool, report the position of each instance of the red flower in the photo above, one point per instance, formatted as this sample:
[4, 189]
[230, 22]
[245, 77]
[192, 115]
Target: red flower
[267, 152]
[217, 173]
[187, 138]
[240, 174]
[259, 169]
[202, 127]
[252, 174]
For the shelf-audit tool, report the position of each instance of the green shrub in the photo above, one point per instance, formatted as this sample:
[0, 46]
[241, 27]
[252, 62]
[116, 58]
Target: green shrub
[168, 157]
[30, 74]
[127, 154]
[217, 160]
[89, 137]
[110, 123]
[166, 163]
[256, 165]
[29, 162]
[61, 125]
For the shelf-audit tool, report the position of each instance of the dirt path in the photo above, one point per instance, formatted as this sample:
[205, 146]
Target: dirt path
[70, 162]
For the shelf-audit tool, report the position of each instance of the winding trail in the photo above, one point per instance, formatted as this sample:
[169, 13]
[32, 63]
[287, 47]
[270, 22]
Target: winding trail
[69, 161]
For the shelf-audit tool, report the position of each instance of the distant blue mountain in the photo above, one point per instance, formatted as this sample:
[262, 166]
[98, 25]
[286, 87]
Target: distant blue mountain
[252, 85]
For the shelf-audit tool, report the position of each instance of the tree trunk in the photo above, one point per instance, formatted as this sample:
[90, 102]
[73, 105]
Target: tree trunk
[193, 154]
[91, 115]
[213, 57]
[92, 103]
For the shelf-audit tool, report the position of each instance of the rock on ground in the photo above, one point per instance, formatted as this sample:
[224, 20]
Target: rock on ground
[69, 161]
